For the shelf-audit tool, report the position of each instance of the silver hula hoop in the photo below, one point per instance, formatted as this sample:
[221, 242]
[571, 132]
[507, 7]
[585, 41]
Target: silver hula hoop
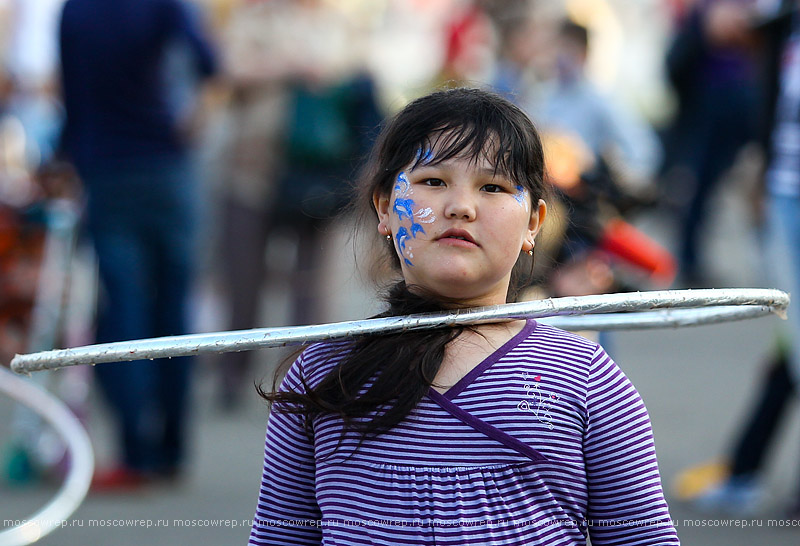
[76, 484]
[656, 309]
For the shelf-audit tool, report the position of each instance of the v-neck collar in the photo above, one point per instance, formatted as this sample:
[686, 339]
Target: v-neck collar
[474, 373]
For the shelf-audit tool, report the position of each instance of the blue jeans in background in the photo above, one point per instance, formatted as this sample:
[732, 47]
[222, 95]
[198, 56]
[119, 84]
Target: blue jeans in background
[783, 252]
[142, 218]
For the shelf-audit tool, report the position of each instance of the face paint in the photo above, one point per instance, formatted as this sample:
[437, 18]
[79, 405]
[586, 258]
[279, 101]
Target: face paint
[424, 157]
[521, 196]
[402, 186]
[402, 237]
[404, 208]
[425, 216]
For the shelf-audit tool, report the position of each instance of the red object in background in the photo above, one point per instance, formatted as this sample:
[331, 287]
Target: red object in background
[678, 10]
[631, 245]
[21, 253]
[457, 31]
[466, 35]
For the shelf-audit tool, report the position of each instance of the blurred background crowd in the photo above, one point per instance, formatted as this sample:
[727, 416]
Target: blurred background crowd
[166, 170]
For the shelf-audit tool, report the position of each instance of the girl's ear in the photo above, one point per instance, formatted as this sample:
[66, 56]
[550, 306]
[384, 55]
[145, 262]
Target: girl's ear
[381, 204]
[537, 218]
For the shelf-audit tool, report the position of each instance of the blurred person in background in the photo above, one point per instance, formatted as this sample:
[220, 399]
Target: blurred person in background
[31, 64]
[301, 110]
[736, 486]
[712, 69]
[572, 106]
[601, 159]
[124, 140]
[524, 49]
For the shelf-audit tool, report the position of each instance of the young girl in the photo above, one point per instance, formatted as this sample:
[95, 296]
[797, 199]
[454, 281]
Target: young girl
[510, 433]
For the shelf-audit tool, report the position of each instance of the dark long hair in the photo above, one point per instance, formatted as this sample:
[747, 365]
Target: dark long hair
[380, 379]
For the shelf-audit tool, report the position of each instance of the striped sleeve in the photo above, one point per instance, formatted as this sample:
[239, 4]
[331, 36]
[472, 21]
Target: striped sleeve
[287, 511]
[626, 500]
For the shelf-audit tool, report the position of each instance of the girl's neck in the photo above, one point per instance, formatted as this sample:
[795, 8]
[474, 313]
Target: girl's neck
[471, 348]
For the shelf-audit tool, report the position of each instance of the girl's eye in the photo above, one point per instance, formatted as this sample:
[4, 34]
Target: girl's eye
[433, 182]
[493, 188]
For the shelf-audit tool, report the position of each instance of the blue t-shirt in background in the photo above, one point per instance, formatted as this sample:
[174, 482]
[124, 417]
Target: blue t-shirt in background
[116, 95]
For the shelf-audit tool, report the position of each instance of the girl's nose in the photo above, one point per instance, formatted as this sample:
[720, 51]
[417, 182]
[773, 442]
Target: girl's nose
[460, 205]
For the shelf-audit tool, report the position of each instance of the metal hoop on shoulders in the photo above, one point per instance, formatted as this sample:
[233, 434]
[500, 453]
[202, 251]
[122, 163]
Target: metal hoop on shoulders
[602, 312]
[641, 310]
[76, 484]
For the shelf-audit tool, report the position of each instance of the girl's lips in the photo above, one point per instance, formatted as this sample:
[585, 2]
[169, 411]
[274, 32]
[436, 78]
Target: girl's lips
[457, 237]
[451, 241]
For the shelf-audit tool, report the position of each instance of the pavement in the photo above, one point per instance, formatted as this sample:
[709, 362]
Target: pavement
[697, 383]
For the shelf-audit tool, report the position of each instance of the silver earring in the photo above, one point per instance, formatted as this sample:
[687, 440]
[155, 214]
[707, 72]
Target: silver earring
[389, 237]
[530, 252]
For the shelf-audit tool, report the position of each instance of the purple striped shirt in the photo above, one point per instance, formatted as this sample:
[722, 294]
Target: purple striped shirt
[545, 442]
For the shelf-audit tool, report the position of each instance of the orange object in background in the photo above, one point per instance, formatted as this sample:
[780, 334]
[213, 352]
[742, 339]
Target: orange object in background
[624, 241]
[567, 158]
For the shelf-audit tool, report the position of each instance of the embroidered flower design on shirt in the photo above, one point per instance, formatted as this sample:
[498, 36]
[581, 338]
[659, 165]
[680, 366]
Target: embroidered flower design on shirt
[536, 400]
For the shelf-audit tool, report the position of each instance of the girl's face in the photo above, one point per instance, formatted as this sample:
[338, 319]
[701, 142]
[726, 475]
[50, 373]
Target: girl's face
[458, 228]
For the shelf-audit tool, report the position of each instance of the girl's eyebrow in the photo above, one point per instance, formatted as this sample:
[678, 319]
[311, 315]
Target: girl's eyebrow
[491, 171]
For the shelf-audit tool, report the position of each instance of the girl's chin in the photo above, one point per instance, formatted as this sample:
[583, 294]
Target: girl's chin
[463, 292]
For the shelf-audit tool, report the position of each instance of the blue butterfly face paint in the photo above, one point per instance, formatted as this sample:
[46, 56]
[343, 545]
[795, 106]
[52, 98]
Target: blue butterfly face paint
[404, 209]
